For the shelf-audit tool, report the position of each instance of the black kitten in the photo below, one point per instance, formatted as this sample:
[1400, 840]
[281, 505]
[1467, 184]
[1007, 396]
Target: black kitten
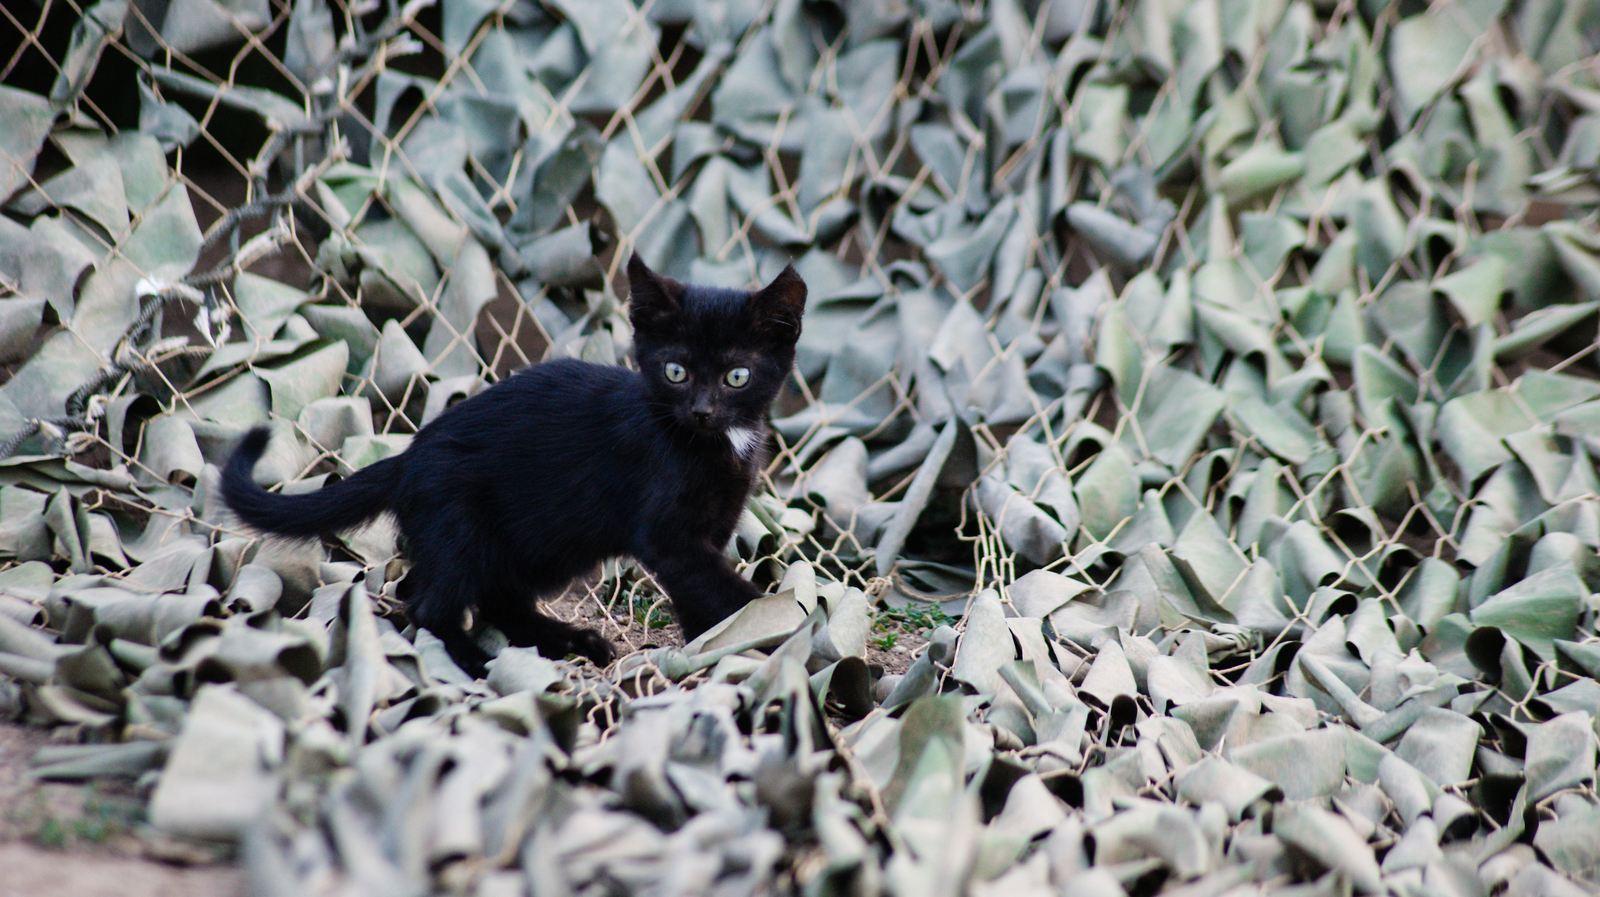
[510, 494]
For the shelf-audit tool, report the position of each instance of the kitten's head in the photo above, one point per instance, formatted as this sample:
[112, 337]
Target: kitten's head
[715, 357]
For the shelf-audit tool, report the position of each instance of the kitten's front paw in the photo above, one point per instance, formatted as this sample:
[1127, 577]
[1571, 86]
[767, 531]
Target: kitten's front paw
[592, 645]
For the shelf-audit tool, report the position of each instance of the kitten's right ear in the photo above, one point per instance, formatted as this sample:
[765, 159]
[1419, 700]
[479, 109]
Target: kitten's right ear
[653, 299]
[778, 306]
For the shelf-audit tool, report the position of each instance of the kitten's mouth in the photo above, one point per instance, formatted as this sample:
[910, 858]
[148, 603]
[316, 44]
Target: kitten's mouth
[707, 425]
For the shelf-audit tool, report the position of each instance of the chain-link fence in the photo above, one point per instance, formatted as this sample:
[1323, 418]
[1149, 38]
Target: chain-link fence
[1236, 345]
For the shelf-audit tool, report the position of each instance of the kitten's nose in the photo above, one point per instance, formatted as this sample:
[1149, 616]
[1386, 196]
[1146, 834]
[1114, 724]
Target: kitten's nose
[701, 411]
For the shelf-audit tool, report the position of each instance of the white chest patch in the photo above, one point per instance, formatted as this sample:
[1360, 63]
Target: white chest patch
[744, 440]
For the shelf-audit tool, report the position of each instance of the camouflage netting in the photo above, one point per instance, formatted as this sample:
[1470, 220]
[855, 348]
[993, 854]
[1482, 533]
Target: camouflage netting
[1227, 370]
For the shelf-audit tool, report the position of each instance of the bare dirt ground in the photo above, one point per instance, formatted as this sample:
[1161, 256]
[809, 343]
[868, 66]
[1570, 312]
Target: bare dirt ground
[636, 627]
[60, 840]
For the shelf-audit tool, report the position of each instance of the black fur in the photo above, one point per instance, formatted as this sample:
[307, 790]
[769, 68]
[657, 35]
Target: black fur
[509, 495]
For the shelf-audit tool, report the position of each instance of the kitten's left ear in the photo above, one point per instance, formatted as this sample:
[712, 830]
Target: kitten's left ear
[777, 307]
[653, 299]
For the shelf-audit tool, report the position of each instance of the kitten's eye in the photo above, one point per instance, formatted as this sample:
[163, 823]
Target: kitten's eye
[738, 377]
[675, 372]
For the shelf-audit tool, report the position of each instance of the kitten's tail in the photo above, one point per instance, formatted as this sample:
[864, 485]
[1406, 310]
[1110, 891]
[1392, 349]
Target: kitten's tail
[352, 500]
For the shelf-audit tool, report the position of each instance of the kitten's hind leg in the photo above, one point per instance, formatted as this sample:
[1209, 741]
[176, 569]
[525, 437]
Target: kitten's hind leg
[439, 604]
[527, 628]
